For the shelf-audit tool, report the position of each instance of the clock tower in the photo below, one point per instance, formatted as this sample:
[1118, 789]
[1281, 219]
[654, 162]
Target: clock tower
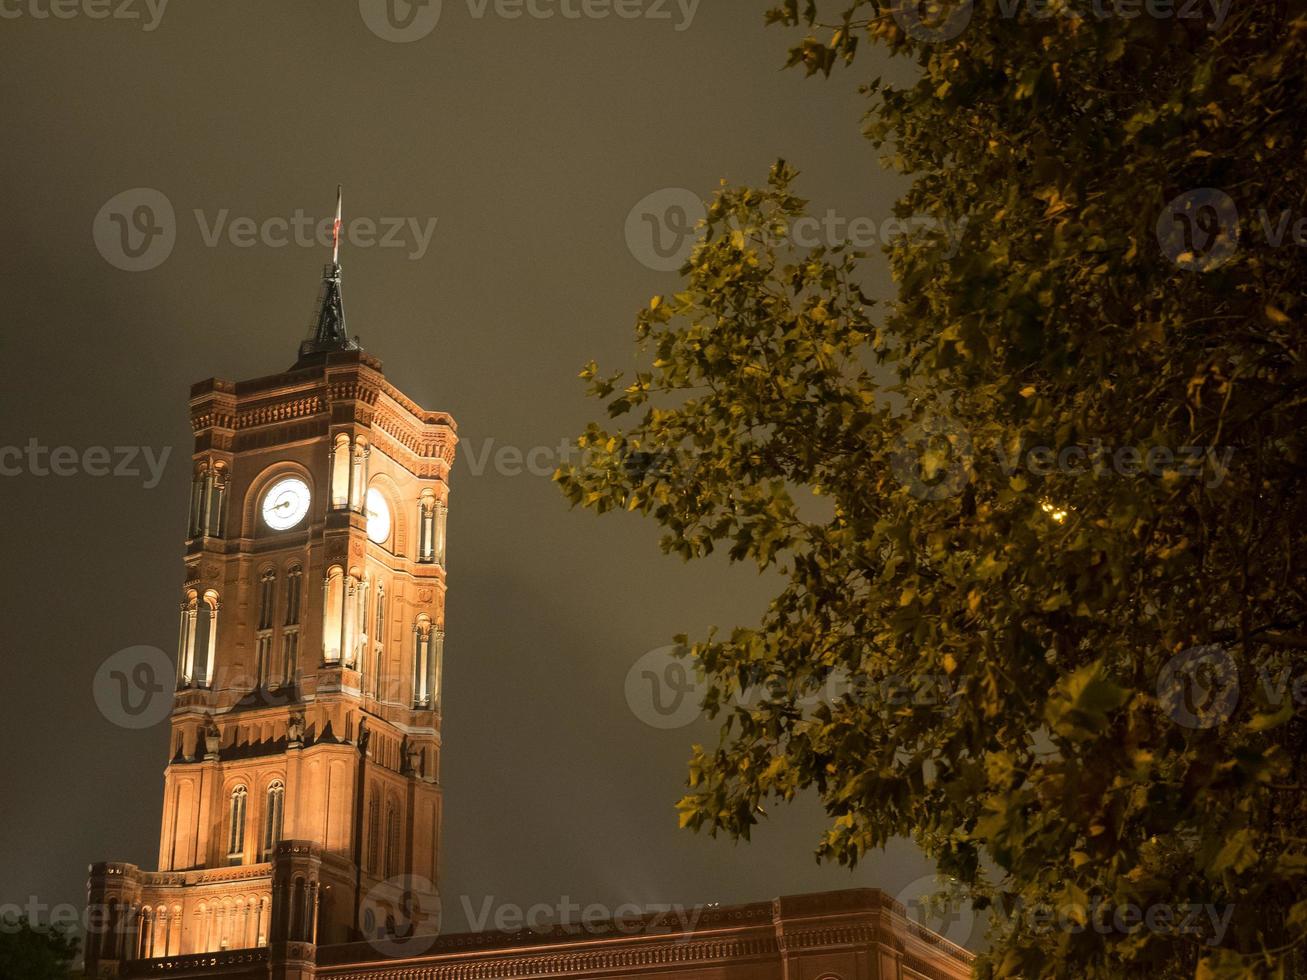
[302, 799]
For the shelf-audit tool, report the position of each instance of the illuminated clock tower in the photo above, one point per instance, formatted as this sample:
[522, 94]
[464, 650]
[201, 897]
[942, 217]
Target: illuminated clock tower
[302, 789]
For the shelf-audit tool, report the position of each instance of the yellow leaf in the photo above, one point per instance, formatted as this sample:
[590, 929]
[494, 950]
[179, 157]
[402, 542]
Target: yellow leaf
[1276, 316]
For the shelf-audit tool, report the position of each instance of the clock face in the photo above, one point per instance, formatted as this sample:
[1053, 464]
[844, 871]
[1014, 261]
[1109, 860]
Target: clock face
[378, 515]
[286, 503]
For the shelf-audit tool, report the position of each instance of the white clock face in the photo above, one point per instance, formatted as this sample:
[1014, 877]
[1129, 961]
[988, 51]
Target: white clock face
[286, 503]
[378, 515]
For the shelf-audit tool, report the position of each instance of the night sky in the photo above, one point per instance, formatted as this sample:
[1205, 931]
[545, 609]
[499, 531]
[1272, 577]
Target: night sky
[529, 141]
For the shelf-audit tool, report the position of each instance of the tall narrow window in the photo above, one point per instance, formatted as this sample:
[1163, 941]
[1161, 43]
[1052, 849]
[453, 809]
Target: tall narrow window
[332, 609]
[379, 642]
[365, 630]
[209, 500]
[422, 674]
[442, 512]
[349, 625]
[215, 521]
[294, 583]
[267, 597]
[236, 825]
[340, 470]
[290, 634]
[290, 655]
[437, 666]
[206, 640]
[263, 636]
[392, 841]
[359, 475]
[272, 817]
[199, 490]
[427, 527]
[186, 641]
[374, 836]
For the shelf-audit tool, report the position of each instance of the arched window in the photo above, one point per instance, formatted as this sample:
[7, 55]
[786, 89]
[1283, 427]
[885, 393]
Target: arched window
[340, 469]
[438, 539]
[205, 640]
[359, 477]
[290, 634]
[267, 598]
[208, 500]
[263, 635]
[379, 641]
[392, 841]
[236, 824]
[145, 936]
[422, 663]
[363, 657]
[294, 587]
[437, 666]
[356, 588]
[199, 488]
[374, 835]
[332, 609]
[272, 817]
[186, 640]
[427, 527]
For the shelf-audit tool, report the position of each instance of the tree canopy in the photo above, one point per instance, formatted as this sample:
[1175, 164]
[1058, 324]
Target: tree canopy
[1059, 479]
[29, 952]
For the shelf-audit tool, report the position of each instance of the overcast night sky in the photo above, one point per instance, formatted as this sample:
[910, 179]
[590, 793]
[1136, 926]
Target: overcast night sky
[527, 142]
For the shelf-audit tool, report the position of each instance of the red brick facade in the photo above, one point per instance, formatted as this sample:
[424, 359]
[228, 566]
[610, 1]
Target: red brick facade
[302, 798]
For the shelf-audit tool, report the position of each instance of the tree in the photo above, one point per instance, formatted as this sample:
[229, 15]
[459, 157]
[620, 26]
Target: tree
[1059, 479]
[29, 952]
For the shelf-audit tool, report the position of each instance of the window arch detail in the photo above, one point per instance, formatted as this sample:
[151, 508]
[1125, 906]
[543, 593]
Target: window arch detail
[274, 811]
[236, 809]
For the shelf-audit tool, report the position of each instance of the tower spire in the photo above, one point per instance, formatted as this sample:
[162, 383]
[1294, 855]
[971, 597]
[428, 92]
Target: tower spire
[329, 332]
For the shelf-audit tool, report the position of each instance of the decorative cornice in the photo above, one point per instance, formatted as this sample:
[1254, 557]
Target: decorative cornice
[572, 963]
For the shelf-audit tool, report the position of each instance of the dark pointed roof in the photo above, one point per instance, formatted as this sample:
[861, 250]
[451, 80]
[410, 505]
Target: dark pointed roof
[329, 334]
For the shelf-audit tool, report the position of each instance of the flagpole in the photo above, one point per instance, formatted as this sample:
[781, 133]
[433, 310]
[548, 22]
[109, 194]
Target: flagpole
[335, 233]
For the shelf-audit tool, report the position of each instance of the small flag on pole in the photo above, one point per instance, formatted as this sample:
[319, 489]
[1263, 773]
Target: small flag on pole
[335, 232]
